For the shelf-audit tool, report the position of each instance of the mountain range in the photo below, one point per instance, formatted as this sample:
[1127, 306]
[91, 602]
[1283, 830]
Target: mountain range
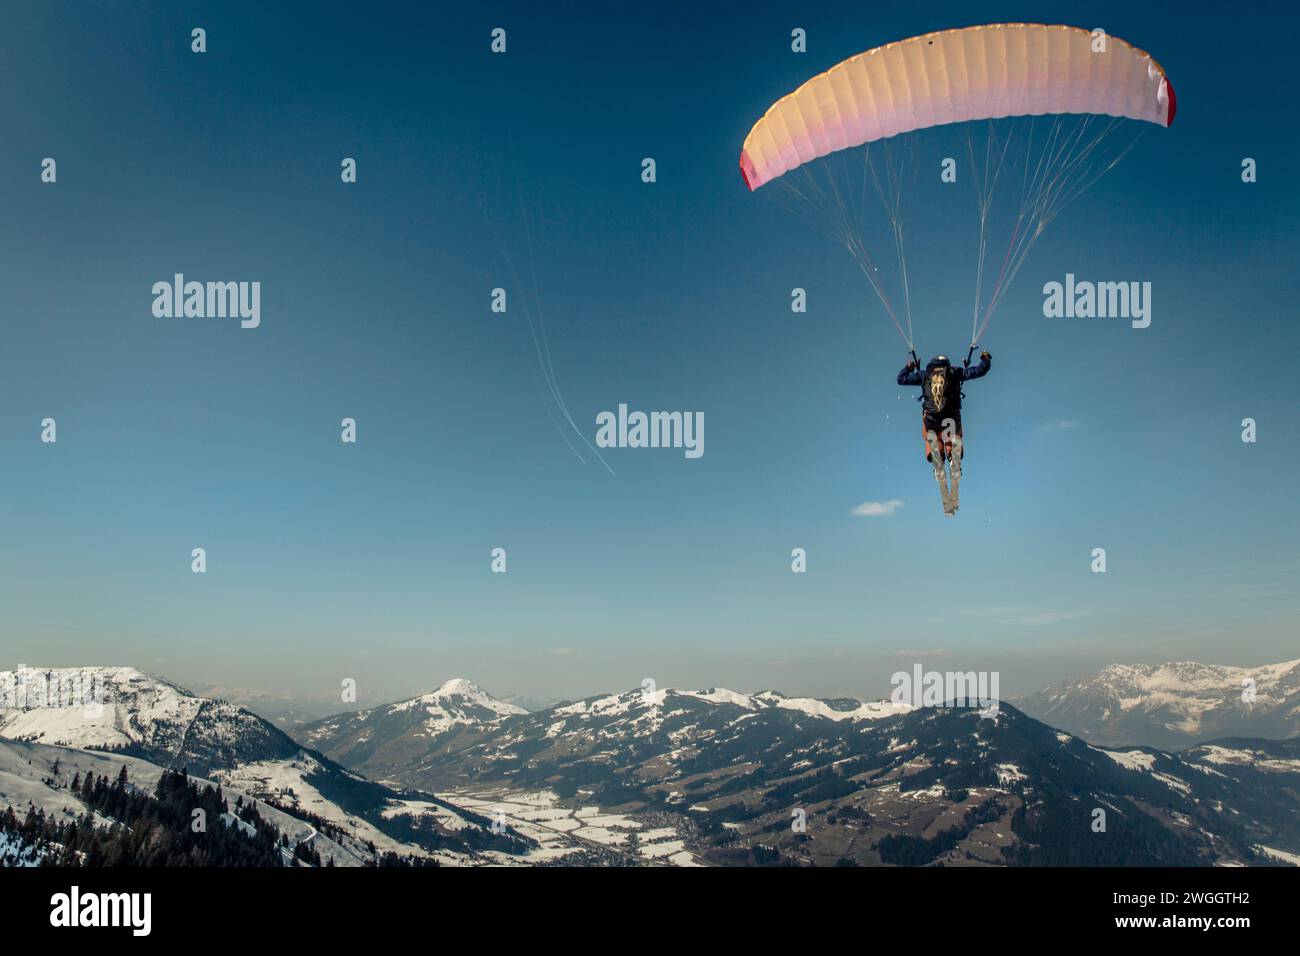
[701, 777]
[1174, 705]
[729, 774]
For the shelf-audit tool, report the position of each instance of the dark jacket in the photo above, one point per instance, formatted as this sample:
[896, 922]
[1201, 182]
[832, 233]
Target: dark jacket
[941, 396]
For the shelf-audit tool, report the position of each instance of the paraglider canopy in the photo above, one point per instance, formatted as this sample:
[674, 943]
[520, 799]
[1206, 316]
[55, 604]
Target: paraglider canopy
[1003, 74]
[953, 76]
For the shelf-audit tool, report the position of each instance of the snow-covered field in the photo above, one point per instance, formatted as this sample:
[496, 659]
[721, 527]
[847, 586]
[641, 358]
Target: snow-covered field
[1260, 761]
[285, 782]
[1130, 760]
[28, 778]
[561, 830]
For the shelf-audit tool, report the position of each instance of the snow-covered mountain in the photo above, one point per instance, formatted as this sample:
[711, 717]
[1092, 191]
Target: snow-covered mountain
[1173, 705]
[39, 776]
[838, 708]
[374, 741]
[876, 783]
[384, 742]
[121, 708]
[118, 715]
[457, 701]
[711, 776]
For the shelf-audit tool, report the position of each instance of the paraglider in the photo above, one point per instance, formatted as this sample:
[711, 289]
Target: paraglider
[941, 397]
[1006, 76]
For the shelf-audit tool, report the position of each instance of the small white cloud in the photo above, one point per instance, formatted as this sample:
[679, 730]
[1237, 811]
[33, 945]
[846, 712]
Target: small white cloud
[1060, 425]
[875, 509]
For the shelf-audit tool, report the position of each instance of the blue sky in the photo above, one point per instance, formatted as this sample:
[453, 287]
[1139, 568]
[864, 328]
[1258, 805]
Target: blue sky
[371, 561]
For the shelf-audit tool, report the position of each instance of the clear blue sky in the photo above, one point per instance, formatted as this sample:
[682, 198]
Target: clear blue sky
[371, 561]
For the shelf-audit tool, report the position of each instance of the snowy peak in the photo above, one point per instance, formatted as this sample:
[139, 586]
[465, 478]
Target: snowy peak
[840, 709]
[1174, 704]
[121, 708]
[88, 706]
[461, 693]
[641, 713]
[459, 685]
[42, 686]
[408, 727]
[456, 701]
[836, 709]
[1183, 677]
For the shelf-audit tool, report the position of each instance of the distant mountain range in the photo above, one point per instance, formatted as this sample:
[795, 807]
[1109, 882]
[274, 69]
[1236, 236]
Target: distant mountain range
[1173, 705]
[876, 783]
[690, 777]
[390, 740]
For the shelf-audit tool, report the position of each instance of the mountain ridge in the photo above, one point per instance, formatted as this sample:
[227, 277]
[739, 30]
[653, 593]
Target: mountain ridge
[1171, 705]
[933, 785]
[710, 776]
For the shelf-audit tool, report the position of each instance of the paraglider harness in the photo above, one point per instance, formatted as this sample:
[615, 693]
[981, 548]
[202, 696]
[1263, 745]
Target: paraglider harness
[945, 450]
[965, 363]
